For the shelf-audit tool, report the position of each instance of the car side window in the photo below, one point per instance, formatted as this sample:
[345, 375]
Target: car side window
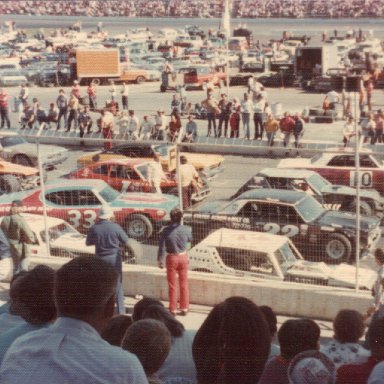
[250, 210]
[278, 182]
[366, 161]
[116, 172]
[86, 198]
[55, 198]
[342, 161]
[102, 170]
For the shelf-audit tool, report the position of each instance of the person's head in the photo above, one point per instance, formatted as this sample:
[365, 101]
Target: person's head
[51, 105]
[223, 96]
[115, 330]
[270, 317]
[106, 213]
[245, 96]
[32, 295]
[176, 216]
[298, 335]
[379, 256]
[348, 326]
[86, 109]
[75, 82]
[286, 114]
[183, 159]
[17, 206]
[376, 338]
[142, 305]
[159, 312]
[190, 117]
[61, 91]
[85, 289]
[160, 112]
[311, 367]
[233, 342]
[150, 341]
[145, 118]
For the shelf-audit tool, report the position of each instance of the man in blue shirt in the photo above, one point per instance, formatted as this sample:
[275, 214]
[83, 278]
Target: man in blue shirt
[174, 241]
[71, 350]
[107, 237]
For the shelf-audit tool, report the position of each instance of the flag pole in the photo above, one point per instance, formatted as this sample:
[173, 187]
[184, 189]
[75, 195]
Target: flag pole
[227, 32]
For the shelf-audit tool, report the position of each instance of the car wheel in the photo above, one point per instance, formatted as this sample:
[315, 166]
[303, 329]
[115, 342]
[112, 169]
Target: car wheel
[140, 79]
[365, 208]
[132, 252]
[9, 183]
[338, 248]
[139, 227]
[22, 160]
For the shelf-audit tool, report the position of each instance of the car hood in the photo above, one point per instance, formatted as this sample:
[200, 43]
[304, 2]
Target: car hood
[336, 219]
[211, 207]
[73, 242]
[201, 161]
[141, 200]
[16, 169]
[294, 163]
[345, 190]
[342, 275]
[46, 149]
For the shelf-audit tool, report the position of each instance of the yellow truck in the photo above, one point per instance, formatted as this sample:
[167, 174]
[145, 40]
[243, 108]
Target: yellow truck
[103, 65]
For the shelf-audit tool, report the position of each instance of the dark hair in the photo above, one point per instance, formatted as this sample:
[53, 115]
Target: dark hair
[32, 295]
[348, 326]
[270, 317]
[183, 160]
[233, 342]
[379, 255]
[160, 313]
[83, 286]
[176, 215]
[376, 334]
[142, 305]
[297, 335]
[150, 341]
[116, 328]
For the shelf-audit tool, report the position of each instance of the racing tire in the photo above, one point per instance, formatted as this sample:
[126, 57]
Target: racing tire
[132, 252]
[338, 249]
[365, 208]
[22, 160]
[163, 88]
[96, 81]
[140, 79]
[138, 227]
[9, 184]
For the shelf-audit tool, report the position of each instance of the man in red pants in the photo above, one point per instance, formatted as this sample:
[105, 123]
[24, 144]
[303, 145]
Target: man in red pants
[174, 241]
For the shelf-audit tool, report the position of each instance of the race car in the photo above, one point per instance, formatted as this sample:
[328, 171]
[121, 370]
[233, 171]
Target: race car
[132, 175]
[79, 201]
[338, 166]
[208, 165]
[268, 256]
[66, 241]
[332, 196]
[318, 233]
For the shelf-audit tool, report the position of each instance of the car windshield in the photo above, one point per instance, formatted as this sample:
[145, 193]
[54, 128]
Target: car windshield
[318, 182]
[162, 149]
[58, 231]
[12, 140]
[109, 194]
[315, 158]
[309, 209]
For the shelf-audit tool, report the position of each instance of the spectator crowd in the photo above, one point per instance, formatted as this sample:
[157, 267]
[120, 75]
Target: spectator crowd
[197, 8]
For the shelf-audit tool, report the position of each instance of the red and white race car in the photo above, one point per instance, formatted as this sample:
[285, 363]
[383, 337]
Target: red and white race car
[79, 201]
[339, 167]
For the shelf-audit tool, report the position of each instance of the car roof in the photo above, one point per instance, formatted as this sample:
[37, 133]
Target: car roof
[120, 161]
[289, 173]
[268, 194]
[348, 150]
[234, 238]
[37, 222]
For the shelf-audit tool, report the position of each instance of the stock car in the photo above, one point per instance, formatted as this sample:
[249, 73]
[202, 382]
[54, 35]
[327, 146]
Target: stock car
[338, 166]
[132, 175]
[208, 165]
[267, 256]
[319, 234]
[332, 196]
[79, 201]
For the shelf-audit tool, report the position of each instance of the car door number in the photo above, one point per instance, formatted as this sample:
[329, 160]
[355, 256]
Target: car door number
[88, 216]
[366, 179]
[287, 230]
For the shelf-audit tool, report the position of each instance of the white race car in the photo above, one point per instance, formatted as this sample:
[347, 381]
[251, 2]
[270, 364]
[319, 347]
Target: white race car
[267, 256]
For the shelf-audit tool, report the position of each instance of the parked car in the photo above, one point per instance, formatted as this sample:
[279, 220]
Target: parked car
[337, 165]
[79, 201]
[332, 196]
[12, 79]
[318, 233]
[132, 175]
[16, 149]
[208, 165]
[330, 81]
[267, 256]
[66, 241]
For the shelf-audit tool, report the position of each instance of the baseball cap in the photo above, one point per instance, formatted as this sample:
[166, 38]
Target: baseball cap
[106, 213]
[17, 203]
